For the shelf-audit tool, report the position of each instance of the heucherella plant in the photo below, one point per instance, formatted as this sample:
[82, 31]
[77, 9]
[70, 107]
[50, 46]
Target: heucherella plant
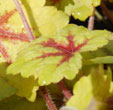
[44, 57]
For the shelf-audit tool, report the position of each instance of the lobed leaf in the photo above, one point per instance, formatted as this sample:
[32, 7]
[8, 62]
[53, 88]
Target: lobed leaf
[79, 9]
[53, 58]
[87, 94]
[50, 20]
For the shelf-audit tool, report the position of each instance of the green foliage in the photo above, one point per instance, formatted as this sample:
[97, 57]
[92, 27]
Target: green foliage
[91, 90]
[45, 58]
[61, 51]
[79, 9]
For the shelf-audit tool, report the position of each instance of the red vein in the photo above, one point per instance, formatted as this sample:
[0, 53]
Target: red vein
[67, 51]
[26, 25]
[45, 93]
[5, 34]
[48, 99]
[5, 17]
[4, 53]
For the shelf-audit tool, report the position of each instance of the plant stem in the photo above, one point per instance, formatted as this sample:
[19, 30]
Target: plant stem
[64, 89]
[106, 11]
[48, 99]
[26, 25]
[46, 96]
[91, 20]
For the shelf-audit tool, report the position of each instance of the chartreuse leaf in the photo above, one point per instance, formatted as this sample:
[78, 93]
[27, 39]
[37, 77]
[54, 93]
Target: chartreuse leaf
[102, 55]
[17, 103]
[30, 9]
[50, 59]
[103, 60]
[90, 91]
[80, 9]
[10, 48]
[42, 20]
[26, 87]
[50, 20]
[5, 89]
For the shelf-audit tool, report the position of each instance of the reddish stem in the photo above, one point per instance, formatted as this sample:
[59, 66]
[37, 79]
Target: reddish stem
[106, 11]
[91, 20]
[46, 96]
[65, 91]
[26, 25]
[48, 99]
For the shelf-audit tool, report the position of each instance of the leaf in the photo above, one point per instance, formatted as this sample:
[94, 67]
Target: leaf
[17, 103]
[100, 56]
[10, 49]
[26, 87]
[51, 59]
[79, 9]
[103, 60]
[30, 9]
[50, 20]
[82, 9]
[87, 93]
[42, 20]
[5, 89]
[10, 42]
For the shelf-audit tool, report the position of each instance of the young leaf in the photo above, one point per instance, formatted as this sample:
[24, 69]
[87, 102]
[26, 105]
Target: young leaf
[87, 92]
[51, 59]
[5, 89]
[80, 9]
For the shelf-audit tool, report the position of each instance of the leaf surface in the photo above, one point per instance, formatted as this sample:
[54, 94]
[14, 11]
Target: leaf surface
[53, 58]
[86, 92]
[79, 9]
[26, 87]
[42, 20]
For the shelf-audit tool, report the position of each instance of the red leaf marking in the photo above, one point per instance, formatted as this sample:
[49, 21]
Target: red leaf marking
[5, 35]
[4, 53]
[5, 17]
[67, 51]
